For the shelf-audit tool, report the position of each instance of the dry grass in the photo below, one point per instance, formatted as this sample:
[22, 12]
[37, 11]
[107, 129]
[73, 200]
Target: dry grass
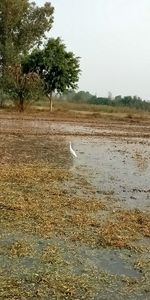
[37, 200]
[81, 112]
[34, 198]
[53, 286]
[29, 190]
[18, 249]
[124, 228]
[62, 106]
[34, 202]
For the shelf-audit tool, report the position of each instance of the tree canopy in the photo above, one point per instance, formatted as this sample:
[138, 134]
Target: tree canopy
[22, 26]
[58, 68]
[21, 86]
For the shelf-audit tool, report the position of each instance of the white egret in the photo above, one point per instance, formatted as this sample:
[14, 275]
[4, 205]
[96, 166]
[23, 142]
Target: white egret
[72, 151]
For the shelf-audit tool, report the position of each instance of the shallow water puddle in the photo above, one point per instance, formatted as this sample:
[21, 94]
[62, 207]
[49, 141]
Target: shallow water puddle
[117, 167]
[77, 259]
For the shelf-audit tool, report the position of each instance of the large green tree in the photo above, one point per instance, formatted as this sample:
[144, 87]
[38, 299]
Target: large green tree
[58, 68]
[22, 26]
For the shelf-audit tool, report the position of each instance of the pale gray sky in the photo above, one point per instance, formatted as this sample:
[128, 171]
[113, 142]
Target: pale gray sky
[112, 37]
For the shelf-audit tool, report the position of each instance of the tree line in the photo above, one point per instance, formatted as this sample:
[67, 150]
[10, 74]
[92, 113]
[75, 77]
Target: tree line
[30, 63]
[126, 101]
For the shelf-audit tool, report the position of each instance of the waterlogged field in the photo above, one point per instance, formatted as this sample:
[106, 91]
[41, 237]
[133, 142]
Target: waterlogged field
[74, 228]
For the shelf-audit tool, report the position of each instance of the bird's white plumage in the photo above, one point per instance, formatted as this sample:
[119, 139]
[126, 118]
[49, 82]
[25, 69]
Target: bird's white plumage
[72, 151]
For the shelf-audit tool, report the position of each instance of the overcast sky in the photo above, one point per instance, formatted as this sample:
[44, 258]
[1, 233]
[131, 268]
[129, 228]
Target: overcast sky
[112, 37]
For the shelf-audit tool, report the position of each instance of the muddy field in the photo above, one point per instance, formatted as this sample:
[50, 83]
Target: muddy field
[74, 228]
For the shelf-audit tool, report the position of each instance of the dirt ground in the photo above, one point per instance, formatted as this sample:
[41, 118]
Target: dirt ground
[74, 228]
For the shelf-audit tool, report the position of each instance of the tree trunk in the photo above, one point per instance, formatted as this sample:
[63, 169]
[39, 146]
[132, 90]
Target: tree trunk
[50, 102]
[21, 104]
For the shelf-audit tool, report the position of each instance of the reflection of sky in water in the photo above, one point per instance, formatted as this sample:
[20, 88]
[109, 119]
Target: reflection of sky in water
[115, 166]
